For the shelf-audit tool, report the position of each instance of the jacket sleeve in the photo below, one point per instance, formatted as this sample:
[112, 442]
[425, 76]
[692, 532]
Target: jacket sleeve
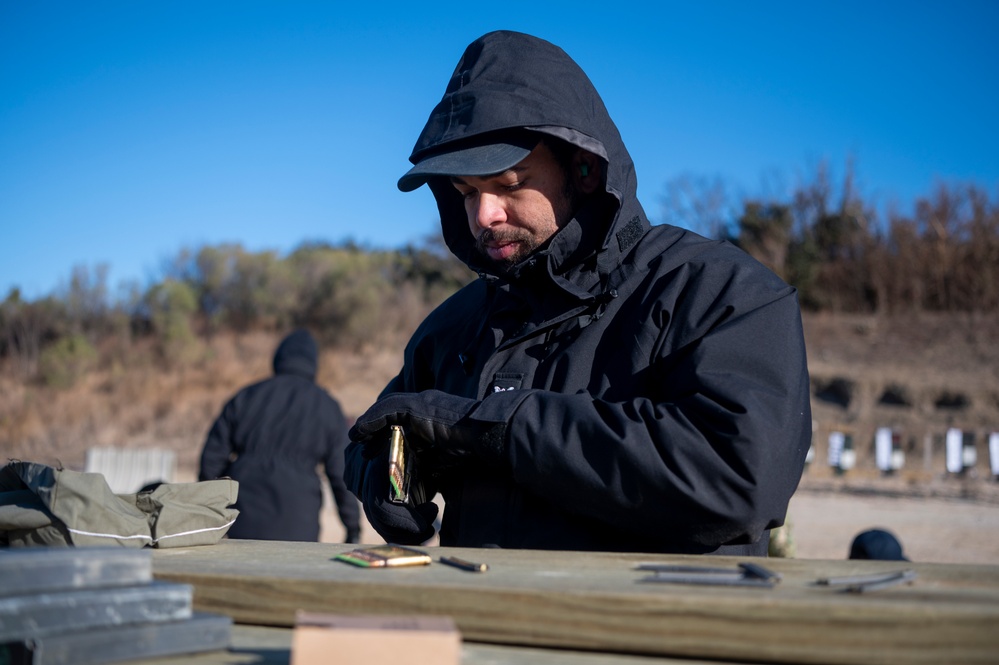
[333, 463]
[712, 457]
[219, 445]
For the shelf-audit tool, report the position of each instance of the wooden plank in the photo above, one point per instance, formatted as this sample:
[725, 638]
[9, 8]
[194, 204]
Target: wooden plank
[46, 569]
[248, 645]
[265, 645]
[41, 614]
[202, 632]
[596, 601]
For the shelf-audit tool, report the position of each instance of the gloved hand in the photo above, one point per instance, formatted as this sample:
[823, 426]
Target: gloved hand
[441, 427]
[396, 523]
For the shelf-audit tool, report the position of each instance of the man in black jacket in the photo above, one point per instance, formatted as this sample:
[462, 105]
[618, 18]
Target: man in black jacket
[605, 384]
[271, 437]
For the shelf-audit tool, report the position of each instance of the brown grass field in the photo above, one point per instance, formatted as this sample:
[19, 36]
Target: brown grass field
[918, 374]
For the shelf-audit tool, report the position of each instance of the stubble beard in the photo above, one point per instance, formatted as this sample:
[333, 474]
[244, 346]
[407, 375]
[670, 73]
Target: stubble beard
[527, 244]
[563, 210]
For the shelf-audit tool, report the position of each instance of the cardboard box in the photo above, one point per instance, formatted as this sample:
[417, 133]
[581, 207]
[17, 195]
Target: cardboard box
[319, 639]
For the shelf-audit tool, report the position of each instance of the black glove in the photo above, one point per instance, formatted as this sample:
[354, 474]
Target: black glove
[396, 523]
[442, 428]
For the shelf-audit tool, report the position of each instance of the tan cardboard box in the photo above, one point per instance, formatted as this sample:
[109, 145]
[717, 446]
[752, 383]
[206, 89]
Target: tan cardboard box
[322, 639]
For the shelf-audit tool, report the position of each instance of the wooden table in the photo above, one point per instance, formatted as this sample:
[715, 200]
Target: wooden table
[596, 602]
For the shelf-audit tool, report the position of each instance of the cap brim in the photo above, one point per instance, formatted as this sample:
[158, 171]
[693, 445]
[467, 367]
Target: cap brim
[475, 160]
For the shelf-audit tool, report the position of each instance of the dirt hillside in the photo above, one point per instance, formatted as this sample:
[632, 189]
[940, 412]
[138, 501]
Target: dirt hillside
[917, 374]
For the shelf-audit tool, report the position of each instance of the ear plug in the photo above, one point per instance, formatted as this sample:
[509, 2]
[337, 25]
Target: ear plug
[584, 170]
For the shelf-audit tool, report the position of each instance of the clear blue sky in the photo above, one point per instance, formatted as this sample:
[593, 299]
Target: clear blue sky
[129, 130]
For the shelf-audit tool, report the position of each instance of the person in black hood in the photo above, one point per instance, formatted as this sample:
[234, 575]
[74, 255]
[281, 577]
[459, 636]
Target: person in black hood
[271, 437]
[605, 384]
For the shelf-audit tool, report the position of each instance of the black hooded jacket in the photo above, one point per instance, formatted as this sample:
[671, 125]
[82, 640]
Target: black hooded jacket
[271, 436]
[653, 382]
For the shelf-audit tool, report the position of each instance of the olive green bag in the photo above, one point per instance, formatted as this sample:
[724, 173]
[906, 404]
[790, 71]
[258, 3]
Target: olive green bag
[41, 505]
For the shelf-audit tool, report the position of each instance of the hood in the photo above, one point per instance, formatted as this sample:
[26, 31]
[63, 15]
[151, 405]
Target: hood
[297, 354]
[510, 80]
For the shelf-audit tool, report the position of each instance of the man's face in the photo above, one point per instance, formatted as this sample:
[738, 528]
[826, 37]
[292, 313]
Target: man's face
[513, 213]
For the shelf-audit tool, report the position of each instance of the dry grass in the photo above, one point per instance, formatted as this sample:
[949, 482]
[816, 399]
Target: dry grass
[138, 404]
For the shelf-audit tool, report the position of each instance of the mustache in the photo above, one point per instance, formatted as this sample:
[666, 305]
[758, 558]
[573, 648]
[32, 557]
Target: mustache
[489, 237]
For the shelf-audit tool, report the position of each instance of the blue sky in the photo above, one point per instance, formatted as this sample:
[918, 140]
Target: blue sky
[130, 130]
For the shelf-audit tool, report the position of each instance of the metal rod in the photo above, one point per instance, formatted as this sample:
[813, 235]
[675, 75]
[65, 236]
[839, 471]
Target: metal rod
[675, 568]
[710, 579]
[904, 577]
[870, 578]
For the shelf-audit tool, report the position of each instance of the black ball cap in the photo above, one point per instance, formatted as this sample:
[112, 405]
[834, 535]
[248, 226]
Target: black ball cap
[483, 155]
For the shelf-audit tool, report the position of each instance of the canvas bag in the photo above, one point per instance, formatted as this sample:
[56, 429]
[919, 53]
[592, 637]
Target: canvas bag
[41, 505]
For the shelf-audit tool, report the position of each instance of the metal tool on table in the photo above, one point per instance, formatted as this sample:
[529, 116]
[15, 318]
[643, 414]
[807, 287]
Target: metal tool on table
[867, 583]
[746, 574]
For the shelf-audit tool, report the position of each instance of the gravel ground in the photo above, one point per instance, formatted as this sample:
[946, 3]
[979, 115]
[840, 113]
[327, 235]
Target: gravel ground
[931, 529]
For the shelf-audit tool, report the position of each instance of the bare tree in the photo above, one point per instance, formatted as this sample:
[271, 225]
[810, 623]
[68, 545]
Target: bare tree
[700, 204]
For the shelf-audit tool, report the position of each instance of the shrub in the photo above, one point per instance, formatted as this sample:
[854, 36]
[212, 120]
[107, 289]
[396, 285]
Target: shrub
[65, 361]
[172, 305]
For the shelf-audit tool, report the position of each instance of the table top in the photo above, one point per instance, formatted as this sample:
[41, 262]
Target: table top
[599, 602]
